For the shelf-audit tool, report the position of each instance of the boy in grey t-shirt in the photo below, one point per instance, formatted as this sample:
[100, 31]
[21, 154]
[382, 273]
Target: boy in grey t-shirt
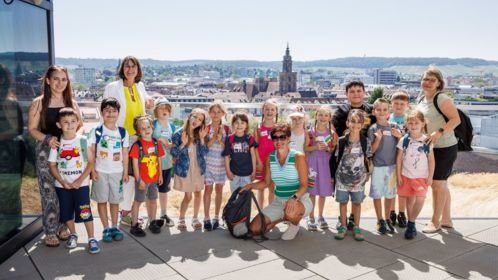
[384, 136]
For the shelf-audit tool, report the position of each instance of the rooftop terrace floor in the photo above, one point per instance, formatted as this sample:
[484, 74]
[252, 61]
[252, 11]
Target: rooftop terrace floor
[468, 251]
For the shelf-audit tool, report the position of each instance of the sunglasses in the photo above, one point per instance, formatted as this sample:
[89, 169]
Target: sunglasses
[279, 137]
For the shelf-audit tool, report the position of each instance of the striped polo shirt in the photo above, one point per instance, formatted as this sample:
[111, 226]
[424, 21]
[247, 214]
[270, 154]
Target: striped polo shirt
[285, 177]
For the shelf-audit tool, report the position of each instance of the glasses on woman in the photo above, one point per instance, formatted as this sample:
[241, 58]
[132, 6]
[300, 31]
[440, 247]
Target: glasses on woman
[281, 137]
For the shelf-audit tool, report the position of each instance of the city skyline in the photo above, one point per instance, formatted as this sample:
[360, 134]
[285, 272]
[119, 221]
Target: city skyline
[225, 30]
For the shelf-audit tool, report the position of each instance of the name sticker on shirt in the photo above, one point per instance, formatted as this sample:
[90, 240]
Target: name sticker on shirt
[151, 150]
[264, 133]
[386, 133]
[355, 150]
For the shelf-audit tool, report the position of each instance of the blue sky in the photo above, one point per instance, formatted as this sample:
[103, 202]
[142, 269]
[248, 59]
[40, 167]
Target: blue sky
[260, 29]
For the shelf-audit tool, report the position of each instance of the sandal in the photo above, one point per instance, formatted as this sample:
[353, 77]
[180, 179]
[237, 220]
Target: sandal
[63, 233]
[323, 224]
[196, 224]
[181, 224]
[51, 240]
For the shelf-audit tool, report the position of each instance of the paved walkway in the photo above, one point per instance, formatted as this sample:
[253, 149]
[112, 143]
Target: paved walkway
[470, 251]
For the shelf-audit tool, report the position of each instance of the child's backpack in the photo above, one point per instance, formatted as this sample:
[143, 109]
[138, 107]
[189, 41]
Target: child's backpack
[225, 127]
[247, 138]
[141, 154]
[237, 214]
[98, 135]
[172, 126]
[464, 132]
[406, 143]
[341, 145]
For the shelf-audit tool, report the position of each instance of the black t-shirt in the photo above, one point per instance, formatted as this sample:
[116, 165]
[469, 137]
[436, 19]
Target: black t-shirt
[240, 154]
[341, 116]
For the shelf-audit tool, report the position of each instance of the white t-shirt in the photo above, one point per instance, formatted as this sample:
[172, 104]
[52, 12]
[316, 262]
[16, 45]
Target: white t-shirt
[109, 156]
[415, 161]
[70, 161]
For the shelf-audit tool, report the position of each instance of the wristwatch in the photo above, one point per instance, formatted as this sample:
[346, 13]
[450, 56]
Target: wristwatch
[294, 197]
[441, 130]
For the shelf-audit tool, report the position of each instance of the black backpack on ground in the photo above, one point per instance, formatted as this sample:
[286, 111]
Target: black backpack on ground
[464, 132]
[237, 215]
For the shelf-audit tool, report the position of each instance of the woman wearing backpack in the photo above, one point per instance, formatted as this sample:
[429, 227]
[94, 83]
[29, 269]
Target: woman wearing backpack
[288, 171]
[442, 136]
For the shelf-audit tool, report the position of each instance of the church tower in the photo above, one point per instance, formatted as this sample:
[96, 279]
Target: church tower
[288, 79]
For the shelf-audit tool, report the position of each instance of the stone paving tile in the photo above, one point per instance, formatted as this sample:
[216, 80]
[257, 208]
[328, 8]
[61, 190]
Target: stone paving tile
[330, 258]
[18, 266]
[276, 269]
[221, 263]
[406, 269]
[438, 248]
[115, 258]
[489, 236]
[481, 263]
[180, 246]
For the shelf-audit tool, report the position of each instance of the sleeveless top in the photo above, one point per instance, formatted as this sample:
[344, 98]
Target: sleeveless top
[285, 177]
[297, 142]
[50, 120]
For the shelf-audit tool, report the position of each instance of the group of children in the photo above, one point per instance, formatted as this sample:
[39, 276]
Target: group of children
[201, 156]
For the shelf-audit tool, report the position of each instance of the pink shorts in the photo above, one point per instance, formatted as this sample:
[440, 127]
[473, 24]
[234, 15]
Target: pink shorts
[413, 187]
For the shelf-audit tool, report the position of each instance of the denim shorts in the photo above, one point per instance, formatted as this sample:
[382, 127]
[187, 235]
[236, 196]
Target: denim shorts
[343, 196]
[164, 187]
[239, 181]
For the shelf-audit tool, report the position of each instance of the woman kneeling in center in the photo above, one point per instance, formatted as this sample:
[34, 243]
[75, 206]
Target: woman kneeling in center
[289, 171]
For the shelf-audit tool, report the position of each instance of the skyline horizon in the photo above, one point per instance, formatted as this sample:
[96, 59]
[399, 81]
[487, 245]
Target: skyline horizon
[259, 30]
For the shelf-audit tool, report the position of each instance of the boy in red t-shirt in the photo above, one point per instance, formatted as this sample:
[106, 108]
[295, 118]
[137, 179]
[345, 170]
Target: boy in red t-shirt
[146, 154]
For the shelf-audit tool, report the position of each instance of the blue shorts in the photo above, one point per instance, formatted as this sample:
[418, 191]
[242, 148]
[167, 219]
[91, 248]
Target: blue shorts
[383, 182]
[239, 181]
[74, 204]
[343, 196]
[164, 187]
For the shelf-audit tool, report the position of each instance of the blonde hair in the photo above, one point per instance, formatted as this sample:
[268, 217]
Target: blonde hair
[217, 104]
[272, 102]
[138, 119]
[378, 101]
[186, 125]
[415, 114]
[324, 109]
[435, 72]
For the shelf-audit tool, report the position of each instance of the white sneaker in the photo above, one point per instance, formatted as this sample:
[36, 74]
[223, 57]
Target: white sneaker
[291, 232]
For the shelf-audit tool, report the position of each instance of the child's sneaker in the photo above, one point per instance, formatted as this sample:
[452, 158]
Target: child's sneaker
[390, 226]
[351, 224]
[401, 220]
[216, 223]
[392, 217]
[137, 231]
[93, 246]
[310, 225]
[338, 225]
[207, 225]
[126, 220]
[322, 223]
[107, 235]
[341, 233]
[358, 234]
[72, 241]
[116, 234]
[381, 226]
[411, 231]
[167, 221]
[291, 232]
[154, 227]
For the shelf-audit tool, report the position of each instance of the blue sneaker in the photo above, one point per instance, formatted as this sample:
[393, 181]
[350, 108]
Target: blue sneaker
[93, 246]
[116, 234]
[107, 235]
[72, 241]
[411, 231]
